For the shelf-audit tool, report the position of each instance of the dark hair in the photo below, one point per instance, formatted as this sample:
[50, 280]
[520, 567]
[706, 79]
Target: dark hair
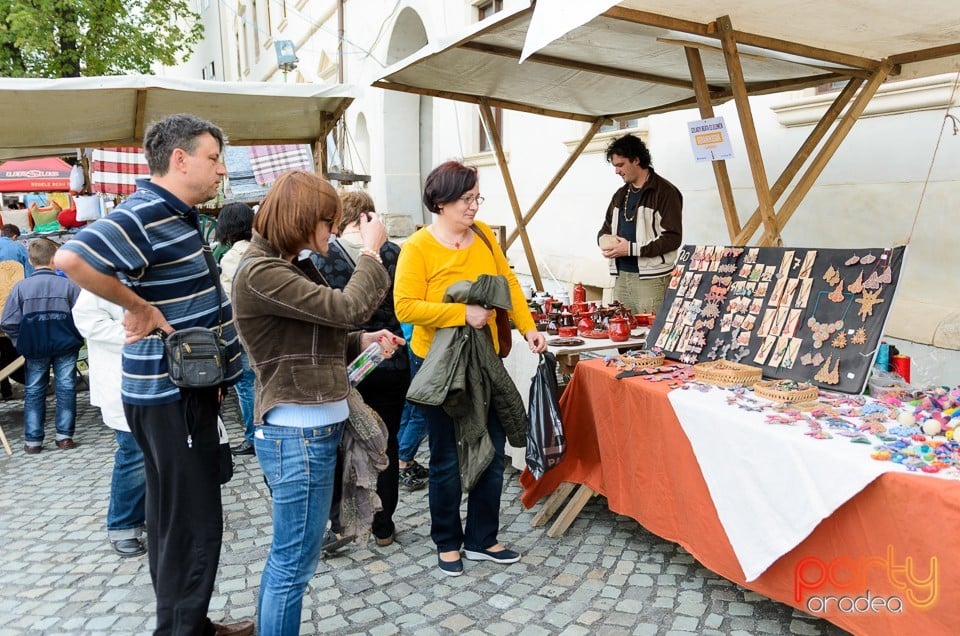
[354, 203]
[176, 131]
[630, 148]
[235, 223]
[293, 208]
[447, 182]
[10, 230]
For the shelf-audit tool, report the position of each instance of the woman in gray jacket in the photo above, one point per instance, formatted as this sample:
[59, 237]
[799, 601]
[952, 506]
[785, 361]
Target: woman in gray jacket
[297, 332]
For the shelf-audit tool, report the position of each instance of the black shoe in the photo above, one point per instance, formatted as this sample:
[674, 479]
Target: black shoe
[409, 481]
[244, 448]
[333, 542]
[419, 471]
[501, 556]
[450, 568]
[129, 547]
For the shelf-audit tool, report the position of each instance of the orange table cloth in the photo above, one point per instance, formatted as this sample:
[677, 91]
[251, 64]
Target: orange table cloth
[882, 563]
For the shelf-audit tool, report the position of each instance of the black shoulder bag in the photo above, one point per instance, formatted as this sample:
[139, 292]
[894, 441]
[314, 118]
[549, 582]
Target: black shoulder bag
[195, 356]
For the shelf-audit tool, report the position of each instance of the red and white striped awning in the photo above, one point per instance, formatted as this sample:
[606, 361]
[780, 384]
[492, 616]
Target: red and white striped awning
[115, 170]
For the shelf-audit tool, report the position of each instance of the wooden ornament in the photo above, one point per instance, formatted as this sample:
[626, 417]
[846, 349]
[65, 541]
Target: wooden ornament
[840, 341]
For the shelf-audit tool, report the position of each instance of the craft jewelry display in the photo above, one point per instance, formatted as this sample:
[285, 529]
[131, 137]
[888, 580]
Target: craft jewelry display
[778, 308]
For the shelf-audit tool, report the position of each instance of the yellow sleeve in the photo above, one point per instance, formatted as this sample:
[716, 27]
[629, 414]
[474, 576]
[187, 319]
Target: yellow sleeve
[419, 275]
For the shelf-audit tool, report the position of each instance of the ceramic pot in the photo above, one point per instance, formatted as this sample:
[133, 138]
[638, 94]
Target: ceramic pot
[618, 329]
[567, 332]
[585, 324]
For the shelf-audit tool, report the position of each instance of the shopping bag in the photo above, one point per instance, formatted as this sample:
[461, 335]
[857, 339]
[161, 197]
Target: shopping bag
[546, 444]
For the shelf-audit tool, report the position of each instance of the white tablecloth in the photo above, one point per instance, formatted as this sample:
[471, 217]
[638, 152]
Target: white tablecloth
[770, 483]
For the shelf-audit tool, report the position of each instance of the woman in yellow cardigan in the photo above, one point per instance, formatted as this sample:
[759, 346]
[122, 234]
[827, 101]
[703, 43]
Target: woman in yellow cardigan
[443, 253]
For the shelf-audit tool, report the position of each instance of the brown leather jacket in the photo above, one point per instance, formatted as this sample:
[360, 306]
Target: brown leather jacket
[296, 330]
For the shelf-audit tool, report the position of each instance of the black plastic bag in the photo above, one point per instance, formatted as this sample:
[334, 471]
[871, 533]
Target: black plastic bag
[546, 444]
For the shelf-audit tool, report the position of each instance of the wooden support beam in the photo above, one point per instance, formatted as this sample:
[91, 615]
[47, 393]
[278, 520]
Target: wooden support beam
[320, 149]
[553, 503]
[491, 124]
[800, 157]
[574, 506]
[549, 60]
[475, 99]
[802, 50]
[138, 123]
[735, 70]
[556, 179]
[830, 147]
[656, 20]
[719, 167]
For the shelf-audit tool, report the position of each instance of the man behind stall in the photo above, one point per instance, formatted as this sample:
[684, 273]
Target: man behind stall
[642, 229]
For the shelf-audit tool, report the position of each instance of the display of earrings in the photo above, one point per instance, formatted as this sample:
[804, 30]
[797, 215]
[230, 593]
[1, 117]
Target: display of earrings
[859, 336]
[867, 301]
[840, 342]
[826, 375]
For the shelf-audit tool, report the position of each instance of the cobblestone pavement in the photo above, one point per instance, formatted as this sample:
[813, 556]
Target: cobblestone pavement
[606, 575]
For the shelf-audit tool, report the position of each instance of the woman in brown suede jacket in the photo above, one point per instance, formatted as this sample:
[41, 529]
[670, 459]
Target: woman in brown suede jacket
[298, 334]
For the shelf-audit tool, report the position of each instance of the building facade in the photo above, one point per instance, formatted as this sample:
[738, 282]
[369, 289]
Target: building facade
[894, 180]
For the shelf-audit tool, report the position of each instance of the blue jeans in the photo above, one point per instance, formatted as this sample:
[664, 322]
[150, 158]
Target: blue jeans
[245, 394]
[126, 513]
[413, 428]
[483, 501]
[35, 396]
[298, 464]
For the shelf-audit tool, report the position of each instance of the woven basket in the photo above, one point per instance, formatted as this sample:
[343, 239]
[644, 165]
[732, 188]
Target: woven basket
[726, 373]
[641, 359]
[786, 391]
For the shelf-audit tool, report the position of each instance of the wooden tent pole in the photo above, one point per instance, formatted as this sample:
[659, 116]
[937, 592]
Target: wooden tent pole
[320, 146]
[741, 97]
[556, 179]
[830, 146]
[800, 157]
[488, 120]
[719, 167]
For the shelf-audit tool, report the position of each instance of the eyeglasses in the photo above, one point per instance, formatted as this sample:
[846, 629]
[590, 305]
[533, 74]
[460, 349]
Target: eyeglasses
[471, 199]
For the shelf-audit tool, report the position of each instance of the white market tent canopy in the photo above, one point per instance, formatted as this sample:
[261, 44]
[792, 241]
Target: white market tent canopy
[595, 60]
[55, 116]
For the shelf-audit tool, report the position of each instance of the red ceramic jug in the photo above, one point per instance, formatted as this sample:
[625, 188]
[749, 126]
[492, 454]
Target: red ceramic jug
[585, 324]
[619, 329]
[579, 293]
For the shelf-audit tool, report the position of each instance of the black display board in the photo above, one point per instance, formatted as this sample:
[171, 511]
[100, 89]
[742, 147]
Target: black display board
[815, 315]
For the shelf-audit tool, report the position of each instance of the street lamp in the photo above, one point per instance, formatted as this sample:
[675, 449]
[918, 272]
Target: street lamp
[286, 57]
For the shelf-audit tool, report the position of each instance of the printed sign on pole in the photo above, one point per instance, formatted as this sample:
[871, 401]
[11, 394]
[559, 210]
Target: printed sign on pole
[710, 139]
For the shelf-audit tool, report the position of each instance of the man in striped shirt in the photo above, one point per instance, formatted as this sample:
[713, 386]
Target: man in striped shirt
[147, 256]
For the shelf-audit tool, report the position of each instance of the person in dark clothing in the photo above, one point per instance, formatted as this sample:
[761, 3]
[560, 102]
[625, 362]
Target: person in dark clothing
[385, 389]
[37, 319]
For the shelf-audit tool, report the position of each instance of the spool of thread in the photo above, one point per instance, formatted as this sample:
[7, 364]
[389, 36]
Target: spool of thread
[901, 365]
[883, 357]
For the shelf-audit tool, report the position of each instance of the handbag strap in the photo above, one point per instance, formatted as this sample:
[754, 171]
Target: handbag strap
[483, 237]
[194, 219]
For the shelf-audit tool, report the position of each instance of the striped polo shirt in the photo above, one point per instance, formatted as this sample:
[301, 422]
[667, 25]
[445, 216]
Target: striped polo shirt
[151, 242]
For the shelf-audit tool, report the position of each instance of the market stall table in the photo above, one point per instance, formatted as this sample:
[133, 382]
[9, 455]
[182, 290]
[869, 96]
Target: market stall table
[625, 442]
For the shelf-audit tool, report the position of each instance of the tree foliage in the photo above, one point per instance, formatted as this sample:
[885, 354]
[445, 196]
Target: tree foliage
[74, 38]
